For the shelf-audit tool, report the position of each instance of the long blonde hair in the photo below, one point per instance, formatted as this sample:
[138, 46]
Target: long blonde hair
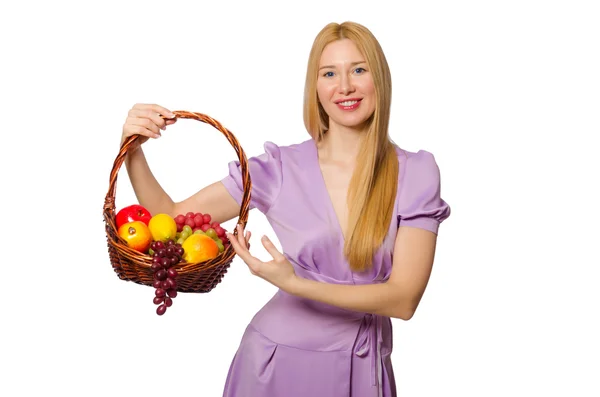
[372, 189]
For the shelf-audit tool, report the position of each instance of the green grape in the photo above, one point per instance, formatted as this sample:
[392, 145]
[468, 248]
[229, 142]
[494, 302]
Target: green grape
[199, 231]
[180, 240]
[187, 229]
[184, 234]
[177, 235]
[151, 252]
[220, 245]
[211, 233]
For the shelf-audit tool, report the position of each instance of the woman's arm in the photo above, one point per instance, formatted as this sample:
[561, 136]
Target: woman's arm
[146, 121]
[147, 190]
[213, 199]
[399, 296]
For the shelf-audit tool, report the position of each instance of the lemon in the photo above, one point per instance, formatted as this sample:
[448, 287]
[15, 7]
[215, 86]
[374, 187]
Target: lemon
[199, 248]
[162, 227]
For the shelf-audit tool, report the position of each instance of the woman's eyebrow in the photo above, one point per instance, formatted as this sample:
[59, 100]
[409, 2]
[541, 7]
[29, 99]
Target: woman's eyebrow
[332, 67]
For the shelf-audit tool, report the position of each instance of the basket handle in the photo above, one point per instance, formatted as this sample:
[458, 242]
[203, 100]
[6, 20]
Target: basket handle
[109, 201]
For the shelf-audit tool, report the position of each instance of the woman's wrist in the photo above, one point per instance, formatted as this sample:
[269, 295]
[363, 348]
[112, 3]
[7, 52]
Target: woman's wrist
[133, 153]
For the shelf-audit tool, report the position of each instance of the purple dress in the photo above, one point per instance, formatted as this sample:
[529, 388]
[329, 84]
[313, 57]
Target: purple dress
[295, 347]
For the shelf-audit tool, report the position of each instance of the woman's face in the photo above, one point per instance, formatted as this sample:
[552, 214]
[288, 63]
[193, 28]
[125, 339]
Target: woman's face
[345, 85]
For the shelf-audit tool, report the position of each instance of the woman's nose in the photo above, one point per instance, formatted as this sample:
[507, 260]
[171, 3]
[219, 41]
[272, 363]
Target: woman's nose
[346, 86]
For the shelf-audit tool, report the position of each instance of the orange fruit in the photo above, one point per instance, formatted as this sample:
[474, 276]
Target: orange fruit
[162, 227]
[137, 235]
[199, 248]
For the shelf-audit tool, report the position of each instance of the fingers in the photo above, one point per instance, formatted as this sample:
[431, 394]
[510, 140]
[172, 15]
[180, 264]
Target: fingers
[242, 243]
[142, 126]
[245, 241]
[241, 250]
[145, 119]
[271, 249]
[242, 238]
[239, 242]
[148, 117]
[154, 109]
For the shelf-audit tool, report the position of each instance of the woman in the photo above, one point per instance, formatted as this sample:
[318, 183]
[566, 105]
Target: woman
[357, 218]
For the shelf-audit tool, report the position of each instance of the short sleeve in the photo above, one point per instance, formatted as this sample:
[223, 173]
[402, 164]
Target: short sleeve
[420, 203]
[265, 175]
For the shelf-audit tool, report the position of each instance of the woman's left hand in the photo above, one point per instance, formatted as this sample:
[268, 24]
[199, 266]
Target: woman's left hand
[278, 271]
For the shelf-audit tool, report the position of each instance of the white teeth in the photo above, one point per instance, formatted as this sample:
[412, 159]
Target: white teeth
[348, 103]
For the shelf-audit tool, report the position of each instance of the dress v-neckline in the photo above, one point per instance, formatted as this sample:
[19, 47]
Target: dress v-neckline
[324, 191]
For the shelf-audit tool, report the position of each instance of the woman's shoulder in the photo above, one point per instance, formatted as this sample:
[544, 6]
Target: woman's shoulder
[291, 147]
[416, 160]
[420, 203]
[289, 151]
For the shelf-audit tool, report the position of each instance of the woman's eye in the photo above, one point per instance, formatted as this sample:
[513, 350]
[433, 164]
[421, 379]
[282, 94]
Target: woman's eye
[359, 70]
[328, 74]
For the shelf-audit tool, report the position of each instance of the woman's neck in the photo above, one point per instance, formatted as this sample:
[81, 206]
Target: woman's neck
[341, 144]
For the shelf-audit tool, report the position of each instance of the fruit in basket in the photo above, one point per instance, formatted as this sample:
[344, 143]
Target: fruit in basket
[136, 234]
[199, 223]
[220, 245]
[167, 254]
[186, 231]
[132, 213]
[210, 232]
[199, 248]
[217, 239]
[162, 227]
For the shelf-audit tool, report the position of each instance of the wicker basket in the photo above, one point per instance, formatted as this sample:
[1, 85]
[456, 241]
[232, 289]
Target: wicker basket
[131, 265]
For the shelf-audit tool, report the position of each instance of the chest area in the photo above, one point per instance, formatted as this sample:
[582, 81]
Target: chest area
[336, 181]
[310, 217]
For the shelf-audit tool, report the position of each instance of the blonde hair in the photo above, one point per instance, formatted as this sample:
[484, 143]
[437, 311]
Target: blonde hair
[372, 189]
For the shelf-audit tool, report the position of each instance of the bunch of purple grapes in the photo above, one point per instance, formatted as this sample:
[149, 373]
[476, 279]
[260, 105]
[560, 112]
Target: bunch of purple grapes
[165, 256]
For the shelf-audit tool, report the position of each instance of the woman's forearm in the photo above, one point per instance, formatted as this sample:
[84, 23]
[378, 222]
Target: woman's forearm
[145, 186]
[383, 299]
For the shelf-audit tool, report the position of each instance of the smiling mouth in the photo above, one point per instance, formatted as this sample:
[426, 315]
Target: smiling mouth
[349, 104]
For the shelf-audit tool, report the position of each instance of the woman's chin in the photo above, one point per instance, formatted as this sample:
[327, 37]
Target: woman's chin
[355, 123]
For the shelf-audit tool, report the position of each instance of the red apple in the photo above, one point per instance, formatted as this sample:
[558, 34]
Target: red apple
[132, 213]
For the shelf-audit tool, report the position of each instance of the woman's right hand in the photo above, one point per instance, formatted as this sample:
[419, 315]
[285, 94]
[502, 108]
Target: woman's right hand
[145, 120]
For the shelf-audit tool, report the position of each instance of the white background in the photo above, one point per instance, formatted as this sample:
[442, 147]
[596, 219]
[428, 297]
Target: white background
[505, 94]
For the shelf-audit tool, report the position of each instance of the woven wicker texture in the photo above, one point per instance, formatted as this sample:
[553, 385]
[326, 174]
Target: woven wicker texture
[131, 265]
